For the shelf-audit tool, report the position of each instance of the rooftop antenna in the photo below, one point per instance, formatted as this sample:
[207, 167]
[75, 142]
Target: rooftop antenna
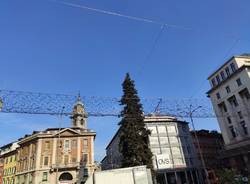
[157, 108]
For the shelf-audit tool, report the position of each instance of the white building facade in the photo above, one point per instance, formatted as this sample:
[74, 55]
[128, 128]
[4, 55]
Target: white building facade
[174, 157]
[230, 96]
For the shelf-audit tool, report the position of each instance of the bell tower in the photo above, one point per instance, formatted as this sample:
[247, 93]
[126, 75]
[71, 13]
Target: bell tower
[79, 116]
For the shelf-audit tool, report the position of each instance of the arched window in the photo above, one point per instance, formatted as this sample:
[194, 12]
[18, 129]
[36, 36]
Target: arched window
[65, 177]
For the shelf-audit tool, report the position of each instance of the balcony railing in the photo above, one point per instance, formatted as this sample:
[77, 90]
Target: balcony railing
[66, 165]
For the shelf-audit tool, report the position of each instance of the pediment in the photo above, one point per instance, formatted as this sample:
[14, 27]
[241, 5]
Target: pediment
[67, 132]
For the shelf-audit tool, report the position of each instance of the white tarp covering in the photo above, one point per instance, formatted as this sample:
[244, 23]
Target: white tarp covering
[132, 175]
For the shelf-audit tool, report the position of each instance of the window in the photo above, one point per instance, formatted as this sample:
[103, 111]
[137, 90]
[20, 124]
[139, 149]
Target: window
[228, 72]
[153, 140]
[222, 106]
[156, 151]
[163, 140]
[218, 95]
[233, 132]
[152, 130]
[218, 79]
[240, 115]
[66, 159]
[74, 143]
[239, 83]
[47, 145]
[30, 179]
[176, 151]
[82, 121]
[244, 94]
[222, 74]
[213, 82]
[229, 120]
[178, 161]
[85, 158]
[244, 127]
[161, 129]
[165, 150]
[171, 129]
[85, 172]
[228, 89]
[46, 161]
[232, 100]
[45, 176]
[232, 65]
[173, 140]
[85, 143]
[66, 144]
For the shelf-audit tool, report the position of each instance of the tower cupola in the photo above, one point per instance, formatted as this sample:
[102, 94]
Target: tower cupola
[79, 116]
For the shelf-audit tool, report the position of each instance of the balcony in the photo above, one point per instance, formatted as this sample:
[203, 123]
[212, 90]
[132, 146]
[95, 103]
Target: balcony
[75, 165]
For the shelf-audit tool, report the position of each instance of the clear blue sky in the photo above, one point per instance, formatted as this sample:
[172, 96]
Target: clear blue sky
[46, 46]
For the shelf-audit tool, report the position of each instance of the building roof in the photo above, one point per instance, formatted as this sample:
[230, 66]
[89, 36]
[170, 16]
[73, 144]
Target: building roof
[48, 133]
[151, 119]
[224, 81]
[207, 133]
[245, 55]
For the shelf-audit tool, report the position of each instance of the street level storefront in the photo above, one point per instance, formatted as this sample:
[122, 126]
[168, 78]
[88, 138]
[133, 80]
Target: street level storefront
[180, 176]
[238, 159]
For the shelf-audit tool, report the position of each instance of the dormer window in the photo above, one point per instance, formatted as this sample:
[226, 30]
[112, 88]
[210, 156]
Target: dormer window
[213, 82]
[232, 65]
[218, 79]
[227, 71]
[222, 74]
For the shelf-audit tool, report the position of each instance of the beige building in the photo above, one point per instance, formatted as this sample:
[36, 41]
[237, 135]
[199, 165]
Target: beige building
[57, 155]
[229, 94]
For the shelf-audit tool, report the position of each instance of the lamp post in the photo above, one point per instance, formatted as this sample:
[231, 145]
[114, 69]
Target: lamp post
[191, 111]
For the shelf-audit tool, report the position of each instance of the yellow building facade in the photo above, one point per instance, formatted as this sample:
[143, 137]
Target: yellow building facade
[8, 153]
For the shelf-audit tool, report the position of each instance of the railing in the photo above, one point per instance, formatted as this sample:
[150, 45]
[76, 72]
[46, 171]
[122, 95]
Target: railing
[68, 165]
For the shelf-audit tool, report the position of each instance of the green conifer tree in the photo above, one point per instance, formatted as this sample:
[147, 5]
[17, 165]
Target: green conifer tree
[134, 137]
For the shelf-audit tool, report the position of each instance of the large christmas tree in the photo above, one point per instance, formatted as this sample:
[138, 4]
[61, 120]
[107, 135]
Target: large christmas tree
[134, 137]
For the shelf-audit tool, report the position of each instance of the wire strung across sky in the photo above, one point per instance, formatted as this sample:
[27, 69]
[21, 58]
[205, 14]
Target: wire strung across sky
[121, 15]
[52, 104]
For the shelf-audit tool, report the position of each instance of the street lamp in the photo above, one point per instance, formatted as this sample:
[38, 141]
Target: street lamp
[191, 111]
